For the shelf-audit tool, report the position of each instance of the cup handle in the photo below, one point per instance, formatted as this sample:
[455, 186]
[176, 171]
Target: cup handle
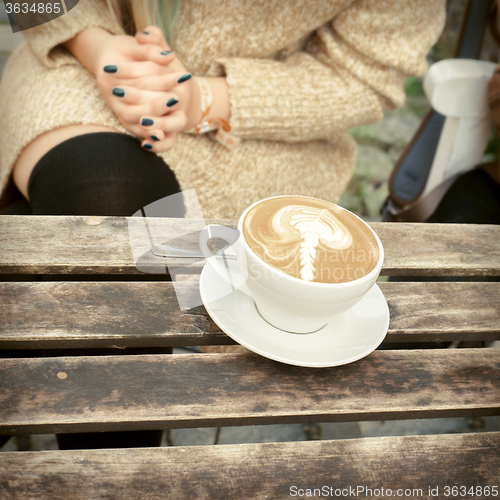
[219, 261]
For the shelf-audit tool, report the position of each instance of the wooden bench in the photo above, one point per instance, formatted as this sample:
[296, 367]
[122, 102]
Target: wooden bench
[57, 295]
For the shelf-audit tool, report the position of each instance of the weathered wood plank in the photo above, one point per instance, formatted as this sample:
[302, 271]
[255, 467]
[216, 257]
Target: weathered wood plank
[443, 311]
[106, 393]
[417, 464]
[65, 315]
[83, 245]
[440, 249]
[53, 315]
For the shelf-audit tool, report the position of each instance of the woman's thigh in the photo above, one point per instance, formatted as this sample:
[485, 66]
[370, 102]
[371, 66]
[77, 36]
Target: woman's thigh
[93, 171]
[42, 145]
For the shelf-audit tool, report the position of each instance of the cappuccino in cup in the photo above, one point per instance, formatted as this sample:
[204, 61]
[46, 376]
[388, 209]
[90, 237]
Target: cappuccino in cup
[305, 261]
[309, 239]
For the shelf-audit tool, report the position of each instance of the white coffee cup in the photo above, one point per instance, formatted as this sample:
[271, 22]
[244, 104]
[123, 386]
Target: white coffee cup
[286, 302]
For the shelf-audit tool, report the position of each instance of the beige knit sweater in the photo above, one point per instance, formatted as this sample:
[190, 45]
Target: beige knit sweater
[300, 74]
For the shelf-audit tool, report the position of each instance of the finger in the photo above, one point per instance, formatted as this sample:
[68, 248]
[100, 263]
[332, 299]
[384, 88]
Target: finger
[159, 83]
[147, 142]
[152, 51]
[157, 135]
[135, 69]
[135, 130]
[133, 96]
[173, 122]
[160, 146]
[136, 52]
[152, 42]
[152, 34]
[156, 108]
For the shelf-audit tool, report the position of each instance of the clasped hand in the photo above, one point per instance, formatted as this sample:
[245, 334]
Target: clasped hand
[148, 88]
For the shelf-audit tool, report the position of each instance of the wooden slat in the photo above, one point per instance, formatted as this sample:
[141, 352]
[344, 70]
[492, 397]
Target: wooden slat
[443, 311]
[417, 464]
[65, 315]
[440, 249]
[83, 245]
[55, 315]
[73, 245]
[111, 393]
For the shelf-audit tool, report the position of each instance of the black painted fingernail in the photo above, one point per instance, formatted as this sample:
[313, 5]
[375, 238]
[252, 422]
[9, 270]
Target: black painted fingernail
[147, 122]
[171, 102]
[110, 68]
[145, 32]
[166, 52]
[154, 138]
[147, 146]
[118, 92]
[184, 78]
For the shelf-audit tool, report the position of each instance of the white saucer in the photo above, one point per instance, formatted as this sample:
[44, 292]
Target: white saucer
[352, 336]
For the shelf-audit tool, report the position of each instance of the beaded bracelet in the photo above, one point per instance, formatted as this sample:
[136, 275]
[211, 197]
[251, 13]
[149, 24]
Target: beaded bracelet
[219, 124]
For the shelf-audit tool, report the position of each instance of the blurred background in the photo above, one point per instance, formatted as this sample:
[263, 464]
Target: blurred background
[380, 145]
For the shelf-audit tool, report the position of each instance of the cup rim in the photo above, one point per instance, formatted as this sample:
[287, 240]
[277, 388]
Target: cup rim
[315, 284]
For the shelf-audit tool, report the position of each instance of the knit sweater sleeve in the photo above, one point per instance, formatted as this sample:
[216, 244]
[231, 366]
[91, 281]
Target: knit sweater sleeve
[45, 40]
[351, 70]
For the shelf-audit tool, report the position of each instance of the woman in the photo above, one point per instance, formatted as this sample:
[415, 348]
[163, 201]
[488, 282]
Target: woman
[289, 83]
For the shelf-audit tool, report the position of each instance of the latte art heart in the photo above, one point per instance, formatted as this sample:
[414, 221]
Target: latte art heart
[310, 239]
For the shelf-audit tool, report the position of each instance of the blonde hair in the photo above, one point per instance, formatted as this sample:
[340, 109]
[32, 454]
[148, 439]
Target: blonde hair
[135, 15]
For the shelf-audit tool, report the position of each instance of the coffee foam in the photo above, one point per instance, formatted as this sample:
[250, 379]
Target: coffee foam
[311, 239]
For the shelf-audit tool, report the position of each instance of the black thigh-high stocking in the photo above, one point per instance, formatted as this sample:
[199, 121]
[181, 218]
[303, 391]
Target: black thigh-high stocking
[102, 173]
